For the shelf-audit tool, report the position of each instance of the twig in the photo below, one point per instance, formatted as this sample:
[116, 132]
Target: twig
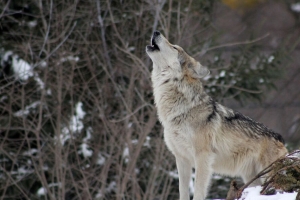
[238, 88]
[129, 115]
[232, 191]
[231, 44]
[103, 38]
[238, 43]
[4, 9]
[263, 172]
[267, 170]
[58, 46]
[49, 25]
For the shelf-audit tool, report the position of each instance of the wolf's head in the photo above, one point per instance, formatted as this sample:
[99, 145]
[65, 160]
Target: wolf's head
[172, 58]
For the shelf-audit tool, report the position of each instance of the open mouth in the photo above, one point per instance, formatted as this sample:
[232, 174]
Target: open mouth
[153, 46]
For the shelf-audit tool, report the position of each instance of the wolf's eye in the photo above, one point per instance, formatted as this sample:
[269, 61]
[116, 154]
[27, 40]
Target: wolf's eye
[175, 48]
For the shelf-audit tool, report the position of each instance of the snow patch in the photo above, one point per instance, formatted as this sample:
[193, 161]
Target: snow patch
[32, 24]
[207, 77]
[6, 57]
[85, 151]
[147, 142]
[295, 7]
[101, 159]
[131, 48]
[30, 152]
[216, 177]
[261, 80]
[125, 154]
[192, 184]
[222, 73]
[111, 187]
[174, 174]
[24, 112]
[22, 69]
[84, 148]
[134, 141]
[253, 193]
[43, 64]
[43, 191]
[75, 124]
[70, 58]
[129, 125]
[270, 59]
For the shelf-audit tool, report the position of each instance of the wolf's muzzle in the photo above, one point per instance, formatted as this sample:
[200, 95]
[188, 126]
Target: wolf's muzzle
[153, 46]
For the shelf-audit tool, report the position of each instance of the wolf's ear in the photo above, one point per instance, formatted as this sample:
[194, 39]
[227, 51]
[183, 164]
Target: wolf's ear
[199, 71]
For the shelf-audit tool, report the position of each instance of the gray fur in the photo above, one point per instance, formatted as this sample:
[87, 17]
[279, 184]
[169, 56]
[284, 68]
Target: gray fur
[200, 132]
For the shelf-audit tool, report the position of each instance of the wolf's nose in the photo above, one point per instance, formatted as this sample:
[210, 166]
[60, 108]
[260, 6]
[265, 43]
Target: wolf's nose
[156, 33]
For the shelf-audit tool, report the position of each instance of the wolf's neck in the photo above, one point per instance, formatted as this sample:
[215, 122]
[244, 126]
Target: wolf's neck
[176, 96]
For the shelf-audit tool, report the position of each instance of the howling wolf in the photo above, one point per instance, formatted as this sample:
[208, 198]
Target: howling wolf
[200, 132]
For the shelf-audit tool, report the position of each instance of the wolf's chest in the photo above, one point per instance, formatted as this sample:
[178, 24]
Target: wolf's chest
[180, 143]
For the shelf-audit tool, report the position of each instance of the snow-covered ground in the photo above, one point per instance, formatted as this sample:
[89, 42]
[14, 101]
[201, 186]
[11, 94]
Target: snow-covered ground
[253, 193]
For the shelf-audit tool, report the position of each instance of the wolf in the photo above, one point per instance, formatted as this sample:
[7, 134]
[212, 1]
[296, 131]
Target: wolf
[201, 133]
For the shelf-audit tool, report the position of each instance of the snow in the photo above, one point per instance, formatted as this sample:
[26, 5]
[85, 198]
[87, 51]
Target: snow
[222, 73]
[64, 136]
[295, 7]
[125, 154]
[32, 24]
[39, 81]
[101, 159]
[192, 184]
[217, 177]
[99, 195]
[294, 154]
[21, 68]
[134, 141]
[85, 151]
[80, 113]
[43, 64]
[173, 174]
[84, 147]
[24, 112]
[270, 59]
[41, 192]
[253, 193]
[131, 48]
[30, 152]
[206, 78]
[3, 98]
[6, 56]
[70, 58]
[147, 142]
[129, 125]
[75, 124]
[111, 187]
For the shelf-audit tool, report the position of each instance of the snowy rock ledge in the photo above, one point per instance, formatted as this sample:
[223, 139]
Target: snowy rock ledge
[253, 193]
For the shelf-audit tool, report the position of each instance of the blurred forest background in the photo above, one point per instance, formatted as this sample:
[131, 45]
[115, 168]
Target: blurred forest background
[77, 119]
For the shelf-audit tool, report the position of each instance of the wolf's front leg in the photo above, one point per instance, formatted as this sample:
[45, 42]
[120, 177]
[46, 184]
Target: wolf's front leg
[184, 171]
[203, 169]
